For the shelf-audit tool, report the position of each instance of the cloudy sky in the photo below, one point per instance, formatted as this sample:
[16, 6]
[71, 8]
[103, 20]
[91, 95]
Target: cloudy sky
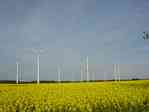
[107, 31]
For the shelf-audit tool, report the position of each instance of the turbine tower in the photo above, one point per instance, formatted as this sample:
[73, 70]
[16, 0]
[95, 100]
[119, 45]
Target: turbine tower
[38, 52]
[59, 74]
[118, 70]
[38, 69]
[87, 72]
[115, 71]
[20, 73]
[33, 74]
[17, 72]
[81, 71]
[18, 67]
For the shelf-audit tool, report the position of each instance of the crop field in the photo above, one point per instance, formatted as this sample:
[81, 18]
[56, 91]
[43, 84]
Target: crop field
[124, 96]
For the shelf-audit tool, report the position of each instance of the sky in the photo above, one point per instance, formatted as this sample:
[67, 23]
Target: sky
[108, 32]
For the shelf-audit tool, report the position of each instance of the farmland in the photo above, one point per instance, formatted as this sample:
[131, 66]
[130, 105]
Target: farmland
[124, 96]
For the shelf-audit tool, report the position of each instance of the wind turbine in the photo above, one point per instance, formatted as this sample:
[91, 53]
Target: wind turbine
[18, 67]
[115, 71]
[81, 71]
[33, 73]
[59, 74]
[87, 72]
[118, 70]
[17, 75]
[62, 75]
[38, 52]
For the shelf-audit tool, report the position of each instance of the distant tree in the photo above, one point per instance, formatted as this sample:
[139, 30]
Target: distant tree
[146, 35]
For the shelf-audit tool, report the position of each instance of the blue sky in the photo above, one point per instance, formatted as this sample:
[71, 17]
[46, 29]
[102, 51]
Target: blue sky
[106, 31]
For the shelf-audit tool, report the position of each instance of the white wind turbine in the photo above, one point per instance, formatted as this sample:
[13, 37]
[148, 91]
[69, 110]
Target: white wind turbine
[81, 71]
[87, 72]
[118, 70]
[115, 71]
[38, 53]
[17, 75]
[18, 69]
[59, 74]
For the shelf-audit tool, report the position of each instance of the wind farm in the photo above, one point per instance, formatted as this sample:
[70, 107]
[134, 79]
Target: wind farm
[84, 76]
[83, 91]
[74, 56]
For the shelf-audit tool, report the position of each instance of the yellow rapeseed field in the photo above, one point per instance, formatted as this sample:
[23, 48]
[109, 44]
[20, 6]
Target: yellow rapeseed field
[124, 96]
